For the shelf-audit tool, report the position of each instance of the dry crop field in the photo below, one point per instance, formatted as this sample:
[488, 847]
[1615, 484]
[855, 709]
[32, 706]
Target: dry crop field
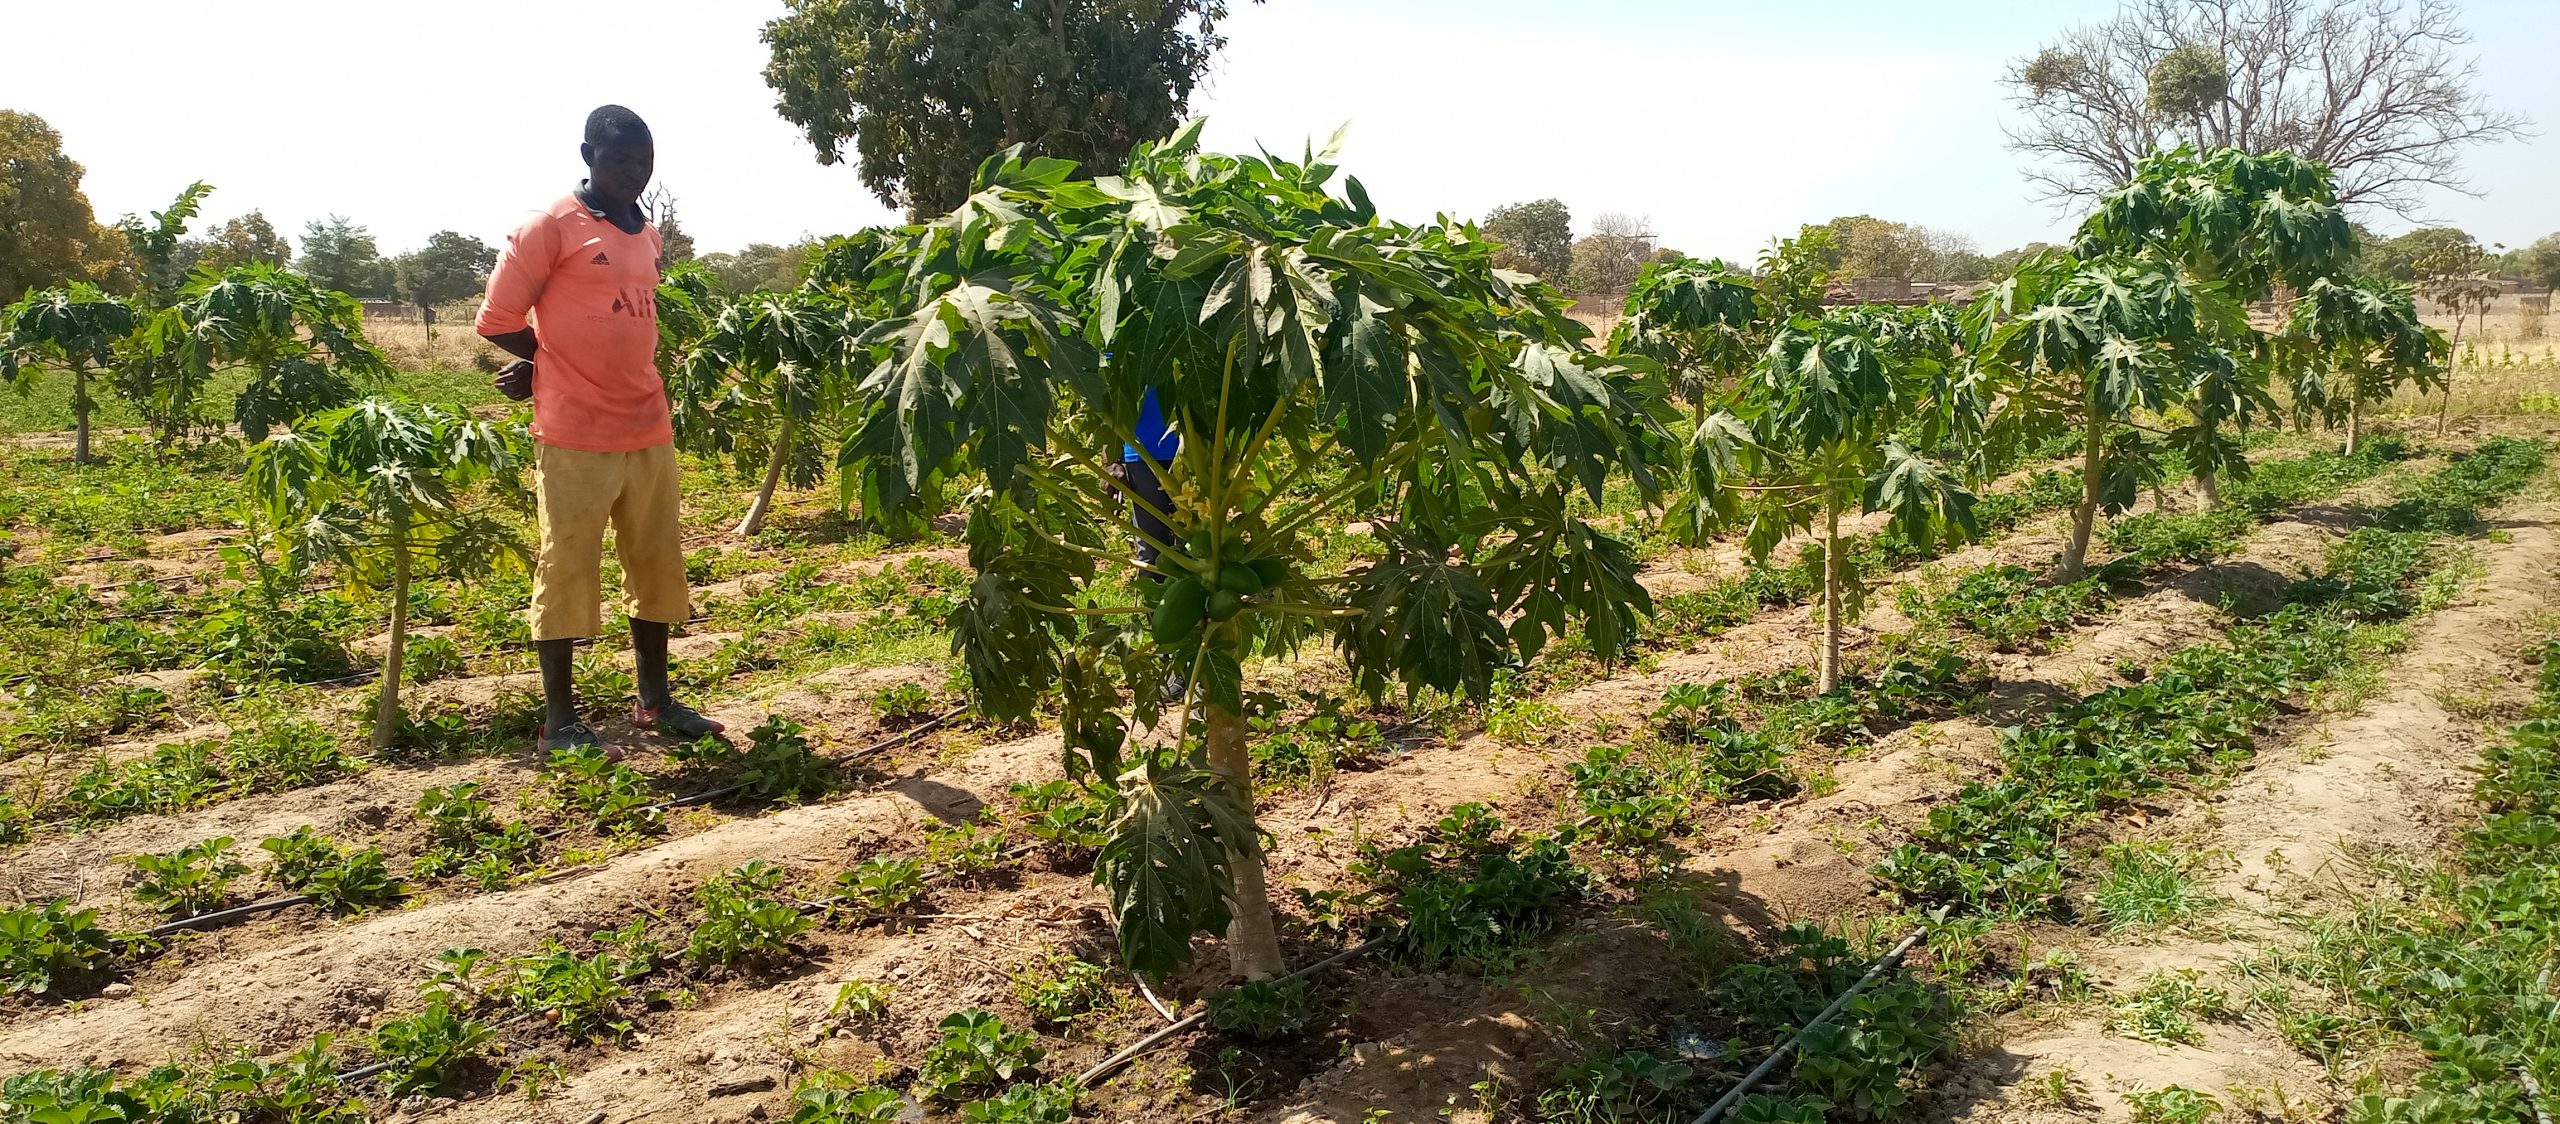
[2168, 791]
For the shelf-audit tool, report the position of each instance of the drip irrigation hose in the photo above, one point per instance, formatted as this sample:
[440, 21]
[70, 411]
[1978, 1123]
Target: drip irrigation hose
[1106, 1066]
[1784, 1048]
[220, 916]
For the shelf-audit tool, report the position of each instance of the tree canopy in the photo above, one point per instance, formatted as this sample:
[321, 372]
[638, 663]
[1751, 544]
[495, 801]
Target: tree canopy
[762, 265]
[2381, 91]
[1608, 258]
[1536, 237]
[48, 234]
[340, 256]
[1316, 361]
[245, 240]
[922, 90]
[450, 267]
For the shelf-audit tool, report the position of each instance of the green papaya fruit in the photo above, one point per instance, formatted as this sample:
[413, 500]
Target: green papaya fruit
[1272, 570]
[1240, 579]
[1224, 605]
[1178, 615]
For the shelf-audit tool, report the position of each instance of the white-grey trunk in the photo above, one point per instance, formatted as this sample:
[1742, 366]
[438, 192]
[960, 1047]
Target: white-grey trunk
[2355, 420]
[2452, 357]
[1253, 942]
[386, 711]
[2084, 518]
[1828, 667]
[754, 521]
[2209, 489]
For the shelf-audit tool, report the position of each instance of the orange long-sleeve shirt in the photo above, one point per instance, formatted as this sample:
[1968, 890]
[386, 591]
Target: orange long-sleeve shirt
[590, 293]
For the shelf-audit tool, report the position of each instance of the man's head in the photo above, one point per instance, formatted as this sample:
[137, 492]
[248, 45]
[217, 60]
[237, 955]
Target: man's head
[619, 153]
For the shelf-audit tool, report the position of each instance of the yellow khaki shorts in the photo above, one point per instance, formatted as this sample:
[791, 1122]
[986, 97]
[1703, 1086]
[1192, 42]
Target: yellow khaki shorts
[579, 492]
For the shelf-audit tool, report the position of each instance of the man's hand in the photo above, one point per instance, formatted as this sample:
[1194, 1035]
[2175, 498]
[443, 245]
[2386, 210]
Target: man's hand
[515, 380]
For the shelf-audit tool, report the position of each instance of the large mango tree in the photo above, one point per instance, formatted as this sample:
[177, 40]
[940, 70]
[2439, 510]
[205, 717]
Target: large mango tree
[2242, 224]
[1319, 364]
[1832, 421]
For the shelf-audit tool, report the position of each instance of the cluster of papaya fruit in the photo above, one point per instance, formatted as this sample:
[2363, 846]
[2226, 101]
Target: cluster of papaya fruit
[1191, 598]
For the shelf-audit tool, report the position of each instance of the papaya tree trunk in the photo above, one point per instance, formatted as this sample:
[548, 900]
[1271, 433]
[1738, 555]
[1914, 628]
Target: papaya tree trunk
[2084, 518]
[2452, 357]
[386, 711]
[754, 521]
[1829, 664]
[1253, 942]
[79, 413]
[2209, 489]
[2355, 418]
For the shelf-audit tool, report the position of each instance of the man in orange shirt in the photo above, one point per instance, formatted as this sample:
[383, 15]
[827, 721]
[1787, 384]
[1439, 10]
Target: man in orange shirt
[574, 298]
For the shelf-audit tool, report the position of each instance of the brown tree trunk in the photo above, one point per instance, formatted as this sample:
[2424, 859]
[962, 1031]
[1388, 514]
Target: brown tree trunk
[2084, 518]
[754, 521]
[2209, 489]
[386, 711]
[1253, 942]
[1829, 664]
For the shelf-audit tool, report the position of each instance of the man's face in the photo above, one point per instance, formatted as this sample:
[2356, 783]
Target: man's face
[619, 169]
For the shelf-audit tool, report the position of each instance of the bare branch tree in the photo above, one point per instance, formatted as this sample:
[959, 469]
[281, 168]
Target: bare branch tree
[2380, 90]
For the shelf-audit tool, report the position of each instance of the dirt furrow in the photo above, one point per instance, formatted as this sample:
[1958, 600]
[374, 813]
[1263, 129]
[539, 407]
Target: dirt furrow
[1806, 858]
[2303, 830]
[354, 973]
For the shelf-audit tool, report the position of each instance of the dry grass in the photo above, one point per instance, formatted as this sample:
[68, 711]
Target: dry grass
[454, 348]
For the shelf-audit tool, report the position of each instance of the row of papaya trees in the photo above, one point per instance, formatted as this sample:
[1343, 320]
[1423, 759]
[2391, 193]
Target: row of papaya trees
[1323, 364]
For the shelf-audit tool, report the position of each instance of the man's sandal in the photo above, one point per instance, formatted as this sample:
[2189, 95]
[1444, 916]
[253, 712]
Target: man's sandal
[575, 735]
[676, 719]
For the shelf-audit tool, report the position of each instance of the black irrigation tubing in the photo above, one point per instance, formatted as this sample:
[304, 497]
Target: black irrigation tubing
[1106, 1066]
[1753, 1078]
[221, 916]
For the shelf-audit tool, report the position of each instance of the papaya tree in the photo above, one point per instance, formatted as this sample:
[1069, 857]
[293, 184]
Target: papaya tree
[1318, 364]
[1829, 424]
[387, 491]
[769, 371]
[2089, 347]
[2356, 342]
[299, 347]
[1700, 321]
[2243, 223]
[76, 327]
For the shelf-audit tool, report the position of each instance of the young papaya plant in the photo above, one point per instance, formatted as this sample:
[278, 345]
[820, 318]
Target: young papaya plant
[2355, 342]
[1318, 364]
[786, 359]
[2088, 346]
[2241, 223]
[1827, 425]
[1701, 321]
[387, 490]
[301, 347]
[77, 327]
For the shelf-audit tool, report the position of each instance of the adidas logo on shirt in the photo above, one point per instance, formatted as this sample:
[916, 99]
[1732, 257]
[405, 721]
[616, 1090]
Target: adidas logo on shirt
[599, 259]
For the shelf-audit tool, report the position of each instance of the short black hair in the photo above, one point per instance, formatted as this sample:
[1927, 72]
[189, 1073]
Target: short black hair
[611, 121]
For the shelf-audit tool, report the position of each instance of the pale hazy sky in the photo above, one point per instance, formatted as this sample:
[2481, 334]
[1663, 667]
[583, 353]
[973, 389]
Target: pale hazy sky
[1726, 122]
